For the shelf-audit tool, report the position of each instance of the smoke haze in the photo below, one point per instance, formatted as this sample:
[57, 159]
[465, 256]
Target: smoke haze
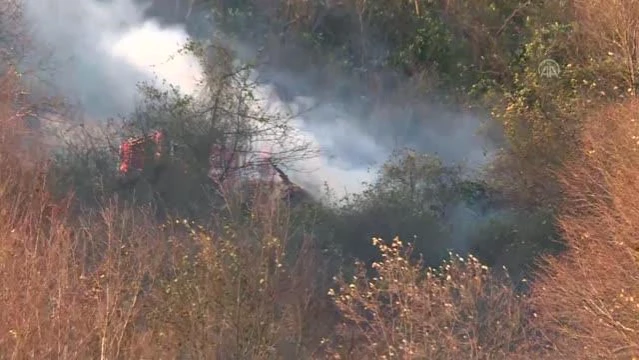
[102, 50]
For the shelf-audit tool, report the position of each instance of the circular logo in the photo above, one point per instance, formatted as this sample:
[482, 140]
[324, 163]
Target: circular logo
[549, 68]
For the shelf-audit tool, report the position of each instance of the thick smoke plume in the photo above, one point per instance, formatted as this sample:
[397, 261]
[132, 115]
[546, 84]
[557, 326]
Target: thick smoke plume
[102, 50]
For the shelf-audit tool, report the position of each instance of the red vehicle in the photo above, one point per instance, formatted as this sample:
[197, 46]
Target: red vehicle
[138, 154]
[133, 152]
[149, 152]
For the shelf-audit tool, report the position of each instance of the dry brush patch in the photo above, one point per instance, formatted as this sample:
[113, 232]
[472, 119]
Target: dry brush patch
[237, 292]
[110, 283]
[457, 311]
[70, 289]
[587, 300]
[609, 28]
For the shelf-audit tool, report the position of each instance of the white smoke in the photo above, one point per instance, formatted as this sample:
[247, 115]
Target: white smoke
[103, 50]
[74, 41]
[332, 167]
[156, 51]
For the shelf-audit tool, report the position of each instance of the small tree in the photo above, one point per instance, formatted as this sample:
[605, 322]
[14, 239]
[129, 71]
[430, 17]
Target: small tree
[410, 196]
[227, 113]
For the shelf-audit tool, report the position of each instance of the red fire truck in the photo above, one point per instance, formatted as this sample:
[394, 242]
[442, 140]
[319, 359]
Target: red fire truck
[145, 153]
[138, 153]
[149, 153]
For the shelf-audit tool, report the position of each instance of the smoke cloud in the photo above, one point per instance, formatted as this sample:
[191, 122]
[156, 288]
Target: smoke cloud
[75, 42]
[102, 50]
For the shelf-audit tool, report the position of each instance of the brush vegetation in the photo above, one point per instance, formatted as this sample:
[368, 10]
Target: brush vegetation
[181, 267]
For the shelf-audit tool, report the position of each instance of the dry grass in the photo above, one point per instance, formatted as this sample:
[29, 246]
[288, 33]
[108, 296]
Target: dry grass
[114, 285]
[110, 283]
[457, 311]
[587, 299]
[609, 29]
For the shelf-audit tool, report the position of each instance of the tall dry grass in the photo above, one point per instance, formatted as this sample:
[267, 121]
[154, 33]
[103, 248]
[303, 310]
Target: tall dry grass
[111, 283]
[609, 29]
[588, 299]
